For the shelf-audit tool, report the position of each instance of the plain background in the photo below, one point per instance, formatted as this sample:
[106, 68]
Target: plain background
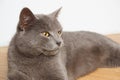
[101, 16]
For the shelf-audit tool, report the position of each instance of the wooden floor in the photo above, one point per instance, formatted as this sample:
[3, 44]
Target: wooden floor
[3, 63]
[99, 74]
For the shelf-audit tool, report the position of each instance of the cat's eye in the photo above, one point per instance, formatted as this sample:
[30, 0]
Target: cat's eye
[59, 32]
[46, 34]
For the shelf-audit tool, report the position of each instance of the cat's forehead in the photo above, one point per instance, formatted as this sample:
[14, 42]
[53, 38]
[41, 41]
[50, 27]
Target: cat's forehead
[48, 22]
[40, 16]
[45, 18]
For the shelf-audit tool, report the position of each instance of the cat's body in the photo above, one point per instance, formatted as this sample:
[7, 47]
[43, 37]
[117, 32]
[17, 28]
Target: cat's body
[89, 51]
[76, 53]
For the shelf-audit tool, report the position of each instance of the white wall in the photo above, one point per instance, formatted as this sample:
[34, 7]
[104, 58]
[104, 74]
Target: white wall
[102, 16]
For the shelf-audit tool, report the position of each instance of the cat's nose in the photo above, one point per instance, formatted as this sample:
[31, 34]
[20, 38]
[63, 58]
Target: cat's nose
[58, 43]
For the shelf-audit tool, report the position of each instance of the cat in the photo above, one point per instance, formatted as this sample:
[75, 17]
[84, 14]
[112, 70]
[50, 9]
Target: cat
[40, 50]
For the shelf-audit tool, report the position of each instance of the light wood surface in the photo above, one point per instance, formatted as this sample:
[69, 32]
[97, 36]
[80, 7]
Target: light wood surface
[99, 74]
[3, 63]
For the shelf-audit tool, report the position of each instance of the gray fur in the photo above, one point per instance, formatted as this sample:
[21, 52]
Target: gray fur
[34, 57]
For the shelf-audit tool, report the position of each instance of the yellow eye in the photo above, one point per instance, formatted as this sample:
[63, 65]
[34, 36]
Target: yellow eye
[46, 34]
[59, 32]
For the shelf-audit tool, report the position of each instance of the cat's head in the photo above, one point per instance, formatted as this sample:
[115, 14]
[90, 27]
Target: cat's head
[38, 34]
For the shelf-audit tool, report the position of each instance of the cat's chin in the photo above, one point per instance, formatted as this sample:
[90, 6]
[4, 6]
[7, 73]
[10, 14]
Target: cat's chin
[50, 52]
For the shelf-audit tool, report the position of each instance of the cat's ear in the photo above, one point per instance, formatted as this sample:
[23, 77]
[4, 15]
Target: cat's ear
[55, 13]
[26, 18]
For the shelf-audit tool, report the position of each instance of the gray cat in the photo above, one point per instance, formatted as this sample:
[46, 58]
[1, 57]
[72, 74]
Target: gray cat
[41, 51]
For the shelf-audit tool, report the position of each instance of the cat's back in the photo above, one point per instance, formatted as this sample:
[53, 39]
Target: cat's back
[81, 36]
[80, 39]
